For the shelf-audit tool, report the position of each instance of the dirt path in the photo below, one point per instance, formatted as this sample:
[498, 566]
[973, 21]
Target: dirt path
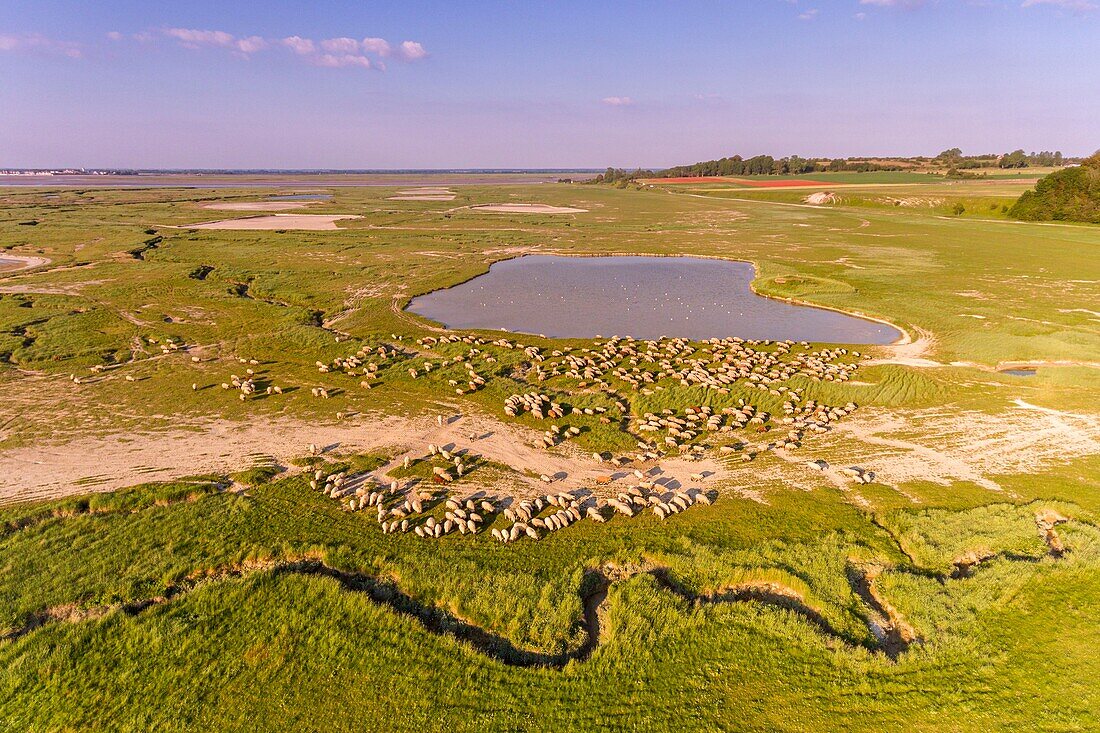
[910, 352]
[400, 312]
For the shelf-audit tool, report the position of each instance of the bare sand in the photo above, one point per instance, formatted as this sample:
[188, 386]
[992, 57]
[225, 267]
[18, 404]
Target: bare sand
[528, 209]
[14, 263]
[312, 222]
[259, 206]
[951, 446]
[432, 197]
[821, 198]
[425, 193]
[48, 471]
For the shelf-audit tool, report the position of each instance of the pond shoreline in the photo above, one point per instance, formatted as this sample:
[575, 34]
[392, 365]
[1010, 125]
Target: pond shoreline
[22, 263]
[904, 339]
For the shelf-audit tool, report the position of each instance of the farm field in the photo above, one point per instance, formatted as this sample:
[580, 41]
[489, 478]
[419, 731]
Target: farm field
[198, 426]
[810, 179]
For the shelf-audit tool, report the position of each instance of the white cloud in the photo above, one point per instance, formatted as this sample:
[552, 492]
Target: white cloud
[412, 51]
[335, 53]
[378, 46]
[340, 45]
[252, 44]
[894, 3]
[194, 38]
[809, 14]
[1077, 6]
[299, 45]
[336, 61]
[618, 101]
[37, 43]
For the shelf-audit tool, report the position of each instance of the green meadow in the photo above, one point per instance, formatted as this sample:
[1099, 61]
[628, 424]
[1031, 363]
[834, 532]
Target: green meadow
[244, 599]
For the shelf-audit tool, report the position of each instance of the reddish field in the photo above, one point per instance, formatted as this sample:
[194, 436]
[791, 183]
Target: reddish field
[688, 179]
[776, 184]
[759, 183]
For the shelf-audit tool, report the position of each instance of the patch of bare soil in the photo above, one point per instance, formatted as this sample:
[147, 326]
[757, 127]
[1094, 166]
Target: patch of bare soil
[426, 193]
[942, 446]
[311, 222]
[259, 205]
[821, 198]
[909, 352]
[14, 263]
[116, 461]
[528, 209]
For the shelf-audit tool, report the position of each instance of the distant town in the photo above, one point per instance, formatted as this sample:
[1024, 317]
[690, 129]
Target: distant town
[62, 172]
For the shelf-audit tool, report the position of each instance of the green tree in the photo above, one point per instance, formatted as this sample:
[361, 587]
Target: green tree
[1015, 159]
[1069, 194]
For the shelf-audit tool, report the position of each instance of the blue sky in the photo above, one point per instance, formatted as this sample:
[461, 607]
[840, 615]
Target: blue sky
[539, 84]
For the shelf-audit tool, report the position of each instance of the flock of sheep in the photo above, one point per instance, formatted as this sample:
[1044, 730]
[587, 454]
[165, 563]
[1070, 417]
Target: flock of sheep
[598, 373]
[409, 508]
[606, 368]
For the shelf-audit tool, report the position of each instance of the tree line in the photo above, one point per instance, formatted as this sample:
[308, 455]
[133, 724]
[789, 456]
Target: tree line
[767, 165]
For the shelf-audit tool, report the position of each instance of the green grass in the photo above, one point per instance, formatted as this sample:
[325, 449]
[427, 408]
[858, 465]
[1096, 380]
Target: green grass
[1007, 648]
[315, 647]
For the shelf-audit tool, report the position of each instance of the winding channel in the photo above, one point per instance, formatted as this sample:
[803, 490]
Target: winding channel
[892, 636]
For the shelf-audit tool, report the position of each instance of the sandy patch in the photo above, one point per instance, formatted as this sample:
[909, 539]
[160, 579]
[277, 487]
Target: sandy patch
[312, 222]
[528, 209]
[908, 352]
[259, 206]
[46, 471]
[967, 446]
[427, 191]
[424, 193]
[15, 263]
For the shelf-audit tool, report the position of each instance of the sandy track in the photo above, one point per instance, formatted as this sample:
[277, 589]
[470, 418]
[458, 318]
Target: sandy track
[311, 222]
[116, 461]
[910, 352]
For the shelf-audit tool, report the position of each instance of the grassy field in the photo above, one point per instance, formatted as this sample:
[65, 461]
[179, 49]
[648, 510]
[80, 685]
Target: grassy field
[958, 590]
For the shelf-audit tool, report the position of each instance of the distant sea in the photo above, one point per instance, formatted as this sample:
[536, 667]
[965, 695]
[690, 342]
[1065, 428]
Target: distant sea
[251, 178]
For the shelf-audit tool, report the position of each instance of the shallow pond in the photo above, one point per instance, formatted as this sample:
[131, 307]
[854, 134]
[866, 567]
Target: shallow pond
[643, 297]
[1018, 372]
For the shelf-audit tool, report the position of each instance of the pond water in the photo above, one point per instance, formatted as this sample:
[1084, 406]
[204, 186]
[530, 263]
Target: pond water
[1019, 372]
[642, 297]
